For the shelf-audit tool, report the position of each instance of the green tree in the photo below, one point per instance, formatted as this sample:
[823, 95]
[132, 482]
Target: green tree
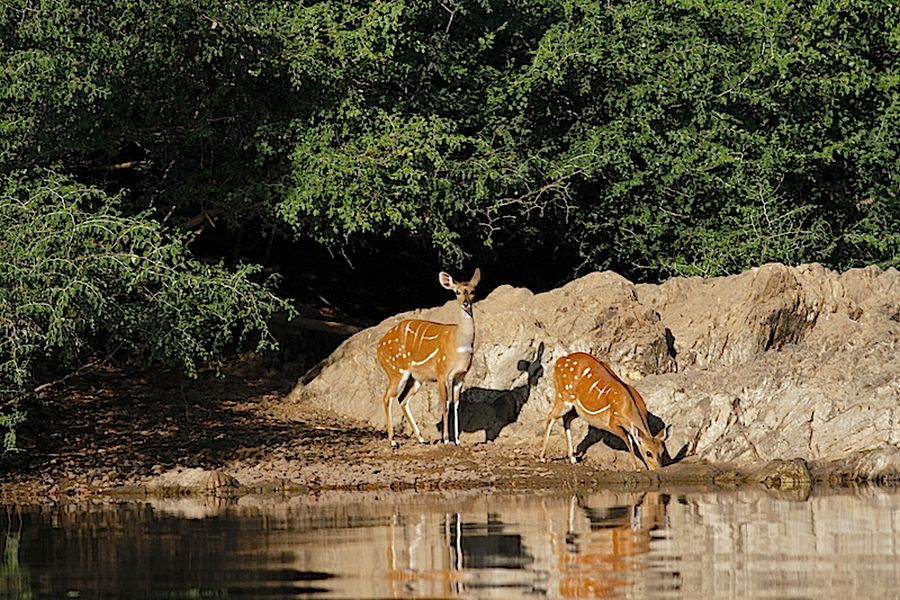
[679, 136]
[708, 136]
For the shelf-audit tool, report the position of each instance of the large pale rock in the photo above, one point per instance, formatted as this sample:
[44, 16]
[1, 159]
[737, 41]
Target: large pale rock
[774, 363]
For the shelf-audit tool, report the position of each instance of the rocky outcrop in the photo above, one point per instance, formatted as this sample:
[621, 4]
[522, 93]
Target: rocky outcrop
[775, 363]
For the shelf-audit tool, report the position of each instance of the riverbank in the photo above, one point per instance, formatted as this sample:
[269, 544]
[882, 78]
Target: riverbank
[112, 434]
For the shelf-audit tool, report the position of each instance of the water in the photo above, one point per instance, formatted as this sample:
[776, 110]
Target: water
[602, 544]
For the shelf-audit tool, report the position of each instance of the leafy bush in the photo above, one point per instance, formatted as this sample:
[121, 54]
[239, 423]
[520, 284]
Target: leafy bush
[78, 279]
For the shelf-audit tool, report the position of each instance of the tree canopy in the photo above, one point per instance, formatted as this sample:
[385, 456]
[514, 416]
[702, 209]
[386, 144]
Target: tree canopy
[694, 137]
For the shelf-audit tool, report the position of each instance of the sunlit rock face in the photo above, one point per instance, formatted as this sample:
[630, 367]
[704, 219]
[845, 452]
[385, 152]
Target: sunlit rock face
[774, 363]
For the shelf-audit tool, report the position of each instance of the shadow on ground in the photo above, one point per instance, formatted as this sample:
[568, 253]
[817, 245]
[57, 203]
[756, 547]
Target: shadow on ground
[120, 425]
[490, 410]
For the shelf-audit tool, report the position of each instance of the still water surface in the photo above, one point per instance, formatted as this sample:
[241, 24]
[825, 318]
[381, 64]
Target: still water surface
[602, 544]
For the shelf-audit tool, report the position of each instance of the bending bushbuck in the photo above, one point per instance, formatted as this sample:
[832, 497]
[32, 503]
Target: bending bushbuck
[602, 399]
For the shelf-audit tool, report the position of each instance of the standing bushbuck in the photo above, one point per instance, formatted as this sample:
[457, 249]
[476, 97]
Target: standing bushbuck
[413, 351]
[606, 402]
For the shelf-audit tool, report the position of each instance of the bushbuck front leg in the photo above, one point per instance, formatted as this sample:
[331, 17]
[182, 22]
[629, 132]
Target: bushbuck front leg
[559, 409]
[444, 395]
[457, 390]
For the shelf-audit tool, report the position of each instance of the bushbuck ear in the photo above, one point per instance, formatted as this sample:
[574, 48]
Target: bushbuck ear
[476, 277]
[663, 434]
[634, 432]
[445, 280]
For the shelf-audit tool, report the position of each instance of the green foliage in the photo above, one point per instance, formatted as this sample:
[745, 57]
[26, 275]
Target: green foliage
[399, 137]
[657, 138]
[707, 137]
[77, 279]
[684, 136]
[165, 98]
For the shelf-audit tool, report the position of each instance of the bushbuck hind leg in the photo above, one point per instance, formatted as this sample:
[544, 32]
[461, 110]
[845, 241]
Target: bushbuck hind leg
[395, 387]
[404, 406]
[402, 390]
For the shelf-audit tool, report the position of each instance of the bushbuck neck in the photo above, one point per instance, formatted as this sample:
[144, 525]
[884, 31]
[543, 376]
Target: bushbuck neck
[465, 330]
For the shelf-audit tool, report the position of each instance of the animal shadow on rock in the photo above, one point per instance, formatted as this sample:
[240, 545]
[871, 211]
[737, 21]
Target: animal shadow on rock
[492, 410]
[595, 435]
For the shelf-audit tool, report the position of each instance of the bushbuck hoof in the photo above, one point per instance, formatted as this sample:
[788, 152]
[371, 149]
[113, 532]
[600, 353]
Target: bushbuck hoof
[394, 445]
[422, 440]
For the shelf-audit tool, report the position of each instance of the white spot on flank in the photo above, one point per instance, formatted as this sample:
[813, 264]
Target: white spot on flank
[587, 371]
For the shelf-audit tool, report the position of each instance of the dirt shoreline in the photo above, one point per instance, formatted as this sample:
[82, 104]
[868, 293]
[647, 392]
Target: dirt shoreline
[113, 435]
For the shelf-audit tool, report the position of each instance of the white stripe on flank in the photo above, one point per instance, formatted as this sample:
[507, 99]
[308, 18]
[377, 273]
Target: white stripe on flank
[592, 412]
[422, 362]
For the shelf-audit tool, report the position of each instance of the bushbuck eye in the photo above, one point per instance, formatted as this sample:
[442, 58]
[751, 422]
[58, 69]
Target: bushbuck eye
[649, 454]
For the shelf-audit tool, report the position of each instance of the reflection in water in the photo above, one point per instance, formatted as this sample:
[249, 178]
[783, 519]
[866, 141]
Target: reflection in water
[591, 545]
[602, 535]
